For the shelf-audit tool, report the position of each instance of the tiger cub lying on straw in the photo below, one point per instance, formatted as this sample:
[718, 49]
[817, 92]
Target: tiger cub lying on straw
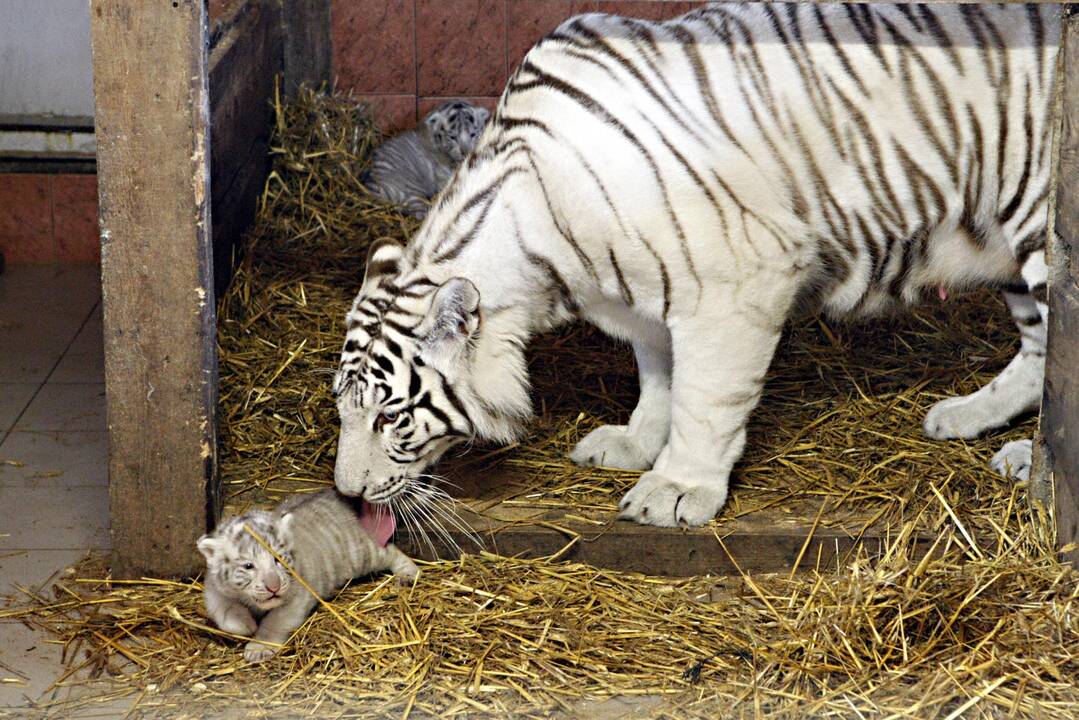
[412, 168]
[325, 539]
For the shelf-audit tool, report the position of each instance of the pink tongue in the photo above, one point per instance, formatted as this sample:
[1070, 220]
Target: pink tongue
[942, 293]
[378, 521]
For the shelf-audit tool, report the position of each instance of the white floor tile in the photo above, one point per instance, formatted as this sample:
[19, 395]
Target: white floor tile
[65, 408]
[79, 367]
[34, 570]
[14, 397]
[40, 459]
[54, 518]
[29, 663]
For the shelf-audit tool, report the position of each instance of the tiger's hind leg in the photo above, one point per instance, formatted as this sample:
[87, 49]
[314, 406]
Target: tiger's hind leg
[635, 446]
[1018, 387]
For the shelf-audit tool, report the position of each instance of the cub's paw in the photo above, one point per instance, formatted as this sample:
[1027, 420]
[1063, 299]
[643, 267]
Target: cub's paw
[611, 446]
[406, 572]
[1013, 460]
[656, 500]
[238, 621]
[255, 651]
[959, 417]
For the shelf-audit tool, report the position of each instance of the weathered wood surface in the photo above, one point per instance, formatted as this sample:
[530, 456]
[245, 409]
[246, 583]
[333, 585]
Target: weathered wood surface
[307, 52]
[768, 540]
[246, 57]
[152, 123]
[1060, 406]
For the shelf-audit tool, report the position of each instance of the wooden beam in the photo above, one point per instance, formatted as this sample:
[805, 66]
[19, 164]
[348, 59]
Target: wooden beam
[246, 58]
[152, 123]
[1060, 405]
[307, 43]
[766, 540]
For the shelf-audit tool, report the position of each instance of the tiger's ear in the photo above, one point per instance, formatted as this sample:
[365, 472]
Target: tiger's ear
[453, 319]
[208, 546]
[482, 114]
[383, 261]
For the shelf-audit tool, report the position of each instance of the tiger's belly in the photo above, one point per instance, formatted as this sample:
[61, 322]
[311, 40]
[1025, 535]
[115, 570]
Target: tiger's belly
[947, 260]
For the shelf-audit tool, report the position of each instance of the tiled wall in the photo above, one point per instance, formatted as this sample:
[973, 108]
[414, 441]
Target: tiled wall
[49, 218]
[406, 56]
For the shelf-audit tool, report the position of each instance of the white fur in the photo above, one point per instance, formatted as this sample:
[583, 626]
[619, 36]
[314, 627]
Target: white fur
[578, 200]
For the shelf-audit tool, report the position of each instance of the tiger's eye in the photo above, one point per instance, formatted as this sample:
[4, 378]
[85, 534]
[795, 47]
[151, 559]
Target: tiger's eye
[384, 418]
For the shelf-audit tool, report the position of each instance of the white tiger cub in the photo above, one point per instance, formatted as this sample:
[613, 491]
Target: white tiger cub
[323, 537]
[686, 186]
[411, 168]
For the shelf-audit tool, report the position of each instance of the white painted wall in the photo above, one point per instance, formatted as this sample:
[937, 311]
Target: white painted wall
[45, 57]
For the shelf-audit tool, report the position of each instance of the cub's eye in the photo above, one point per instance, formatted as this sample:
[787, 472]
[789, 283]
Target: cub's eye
[248, 566]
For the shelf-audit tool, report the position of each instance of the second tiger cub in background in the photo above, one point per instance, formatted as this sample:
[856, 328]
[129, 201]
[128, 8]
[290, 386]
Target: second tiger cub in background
[412, 168]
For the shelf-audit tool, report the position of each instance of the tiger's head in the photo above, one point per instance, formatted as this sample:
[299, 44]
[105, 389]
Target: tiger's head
[423, 369]
[455, 126]
[242, 566]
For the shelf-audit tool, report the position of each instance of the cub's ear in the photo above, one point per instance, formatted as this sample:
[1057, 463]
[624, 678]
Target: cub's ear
[454, 316]
[433, 121]
[284, 527]
[482, 114]
[209, 546]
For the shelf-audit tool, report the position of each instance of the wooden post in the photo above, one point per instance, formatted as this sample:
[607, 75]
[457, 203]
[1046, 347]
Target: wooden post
[244, 62]
[152, 122]
[1060, 406]
[307, 42]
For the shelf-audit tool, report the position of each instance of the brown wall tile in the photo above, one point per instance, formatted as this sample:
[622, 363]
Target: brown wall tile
[427, 104]
[527, 21]
[374, 49]
[461, 47]
[75, 218]
[26, 219]
[392, 112]
[646, 9]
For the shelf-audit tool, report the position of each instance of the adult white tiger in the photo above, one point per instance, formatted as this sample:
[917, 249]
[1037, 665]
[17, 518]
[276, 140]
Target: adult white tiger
[685, 185]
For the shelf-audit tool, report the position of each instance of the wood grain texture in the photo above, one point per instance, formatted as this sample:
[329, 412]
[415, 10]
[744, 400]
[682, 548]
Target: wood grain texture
[307, 48]
[767, 540]
[152, 125]
[245, 60]
[1060, 405]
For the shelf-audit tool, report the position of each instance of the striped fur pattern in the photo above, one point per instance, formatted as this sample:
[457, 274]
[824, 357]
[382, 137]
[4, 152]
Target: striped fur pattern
[689, 185]
[248, 592]
[413, 167]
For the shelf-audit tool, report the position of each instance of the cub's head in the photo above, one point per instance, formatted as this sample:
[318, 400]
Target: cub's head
[455, 126]
[242, 566]
[422, 369]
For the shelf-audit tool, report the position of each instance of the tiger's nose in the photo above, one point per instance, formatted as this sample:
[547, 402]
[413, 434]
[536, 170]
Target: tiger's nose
[272, 585]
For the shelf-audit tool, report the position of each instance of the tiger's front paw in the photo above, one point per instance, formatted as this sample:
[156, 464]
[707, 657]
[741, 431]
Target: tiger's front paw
[255, 651]
[1013, 460]
[958, 417]
[612, 446]
[656, 500]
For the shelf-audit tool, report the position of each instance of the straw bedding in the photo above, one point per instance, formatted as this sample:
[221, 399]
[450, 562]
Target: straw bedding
[987, 625]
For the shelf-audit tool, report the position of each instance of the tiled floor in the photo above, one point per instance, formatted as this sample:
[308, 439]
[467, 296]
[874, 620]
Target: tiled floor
[53, 478]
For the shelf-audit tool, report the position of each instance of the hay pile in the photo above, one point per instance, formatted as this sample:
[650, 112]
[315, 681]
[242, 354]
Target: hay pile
[987, 625]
